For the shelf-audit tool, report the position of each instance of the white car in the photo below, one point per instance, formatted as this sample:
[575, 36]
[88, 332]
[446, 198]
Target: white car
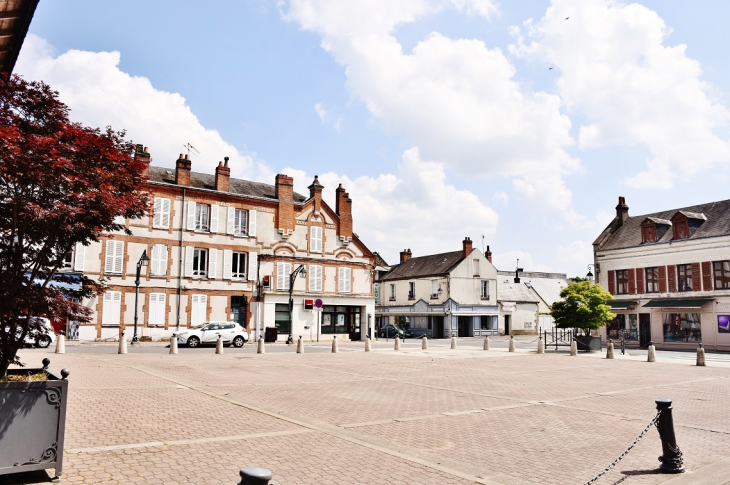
[207, 333]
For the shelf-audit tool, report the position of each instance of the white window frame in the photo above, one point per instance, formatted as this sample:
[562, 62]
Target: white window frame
[238, 259]
[156, 309]
[68, 260]
[315, 278]
[202, 256]
[158, 261]
[485, 289]
[240, 222]
[202, 217]
[344, 280]
[114, 257]
[392, 291]
[315, 239]
[161, 217]
[283, 275]
[112, 308]
[411, 290]
[198, 309]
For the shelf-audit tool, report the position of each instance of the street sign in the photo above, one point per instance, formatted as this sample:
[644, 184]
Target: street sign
[318, 303]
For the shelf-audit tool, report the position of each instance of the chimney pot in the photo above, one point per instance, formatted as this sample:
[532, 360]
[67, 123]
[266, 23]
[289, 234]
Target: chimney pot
[622, 211]
[226, 161]
[223, 177]
[467, 247]
[182, 170]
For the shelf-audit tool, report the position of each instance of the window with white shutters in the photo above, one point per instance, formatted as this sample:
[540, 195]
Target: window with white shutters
[200, 262]
[114, 257]
[315, 239]
[237, 221]
[161, 218]
[112, 308]
[212, 263]
[214, 218]
[238, 265]
[344, 280]
[253, 259]
[68, 260]
[156, 308]
[79, 257]
[198, 309]
[158, 262]
[485, 290]
[283, 274]
[202, 217]
[252, 223]
[315, 278]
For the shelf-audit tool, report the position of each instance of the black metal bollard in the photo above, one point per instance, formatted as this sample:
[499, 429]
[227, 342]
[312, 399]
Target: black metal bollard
[255, 476]
[671, 455]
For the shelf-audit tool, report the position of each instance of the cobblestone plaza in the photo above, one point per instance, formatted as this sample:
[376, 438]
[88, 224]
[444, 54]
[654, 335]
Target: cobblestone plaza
[417, 416]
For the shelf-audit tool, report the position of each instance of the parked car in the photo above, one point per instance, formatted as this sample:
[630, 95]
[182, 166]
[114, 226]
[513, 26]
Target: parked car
[390, 330]
[207, 333]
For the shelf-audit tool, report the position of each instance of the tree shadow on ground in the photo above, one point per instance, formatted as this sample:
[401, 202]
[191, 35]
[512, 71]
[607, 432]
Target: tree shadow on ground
[38, 476]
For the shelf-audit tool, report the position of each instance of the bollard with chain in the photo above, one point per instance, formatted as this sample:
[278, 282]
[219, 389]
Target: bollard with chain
[573, 347]
[424, 343]
[396, 345]
[671, 455]
[261, 349]
[122, 345]
[368, 347]
[701, 356]
[651, 354]
[255, 476]
[486, 343]
[540, 345]
[173, 344]
[300, 345]
[511, 344]
[335, 348]
[609, 349]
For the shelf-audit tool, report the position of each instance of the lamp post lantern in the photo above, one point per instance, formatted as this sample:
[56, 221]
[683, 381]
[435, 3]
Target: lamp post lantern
[590, 272]
[299, 270]
[143, 261]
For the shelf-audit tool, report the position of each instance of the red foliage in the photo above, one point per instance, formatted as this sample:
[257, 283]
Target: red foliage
[60, 183]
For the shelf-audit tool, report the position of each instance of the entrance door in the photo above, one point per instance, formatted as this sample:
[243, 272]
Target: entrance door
[506, 324]
[438, 327]
[644, 329]
[354, 326]
[464, 327]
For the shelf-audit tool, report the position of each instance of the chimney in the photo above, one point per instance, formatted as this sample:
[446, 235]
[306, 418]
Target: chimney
[622, 211]
[143, 155]
[405, 255]
[343, 207]
[182, 170]
[467, 246]
[489, 255]
[285, 214]
[223, 176]
[315, 192]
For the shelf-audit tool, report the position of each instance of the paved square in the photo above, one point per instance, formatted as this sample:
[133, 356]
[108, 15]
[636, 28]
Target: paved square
[438, 416]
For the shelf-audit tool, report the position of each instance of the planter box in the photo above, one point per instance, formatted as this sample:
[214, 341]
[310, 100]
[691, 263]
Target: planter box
[588, 343]
[32, 423]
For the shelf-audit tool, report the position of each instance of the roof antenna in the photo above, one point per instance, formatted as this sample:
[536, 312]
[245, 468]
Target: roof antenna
[189, 147]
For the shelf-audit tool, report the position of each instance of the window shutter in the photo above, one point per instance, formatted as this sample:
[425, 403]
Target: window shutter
[155, 261]
[163, 260]
[112, 307]
[191, 216]
[107, 309]
[662, 279]
[165, 222]
[109, 257]
[79, 257]
[344, 277]
[199, 309]
[672, 278]
[189, 262]
[252, 223]
[161, 308]
[118, 256]
[348, 280]
[252, 265]
[315, 239]
[707, 275]
[611, 282]
[315, 278]
[227, 262]
[214, 218]
[632, 281]
[696, 277]
[640, 281]
[212, 263]
[152, 307]
[157, 218]
[231, 220]
[279, 276]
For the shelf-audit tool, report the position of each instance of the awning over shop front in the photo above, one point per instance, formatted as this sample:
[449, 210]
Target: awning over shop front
[677, 302]
[621, 304]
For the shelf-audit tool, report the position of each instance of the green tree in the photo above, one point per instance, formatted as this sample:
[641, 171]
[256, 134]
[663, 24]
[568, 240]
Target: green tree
[583, 306]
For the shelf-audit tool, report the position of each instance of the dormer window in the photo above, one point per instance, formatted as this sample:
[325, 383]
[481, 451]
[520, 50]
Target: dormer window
[653, 229]
[648, 233]
[686, 223]
[681, 230]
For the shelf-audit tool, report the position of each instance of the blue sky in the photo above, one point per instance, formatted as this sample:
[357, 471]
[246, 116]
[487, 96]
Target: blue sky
[441, 117]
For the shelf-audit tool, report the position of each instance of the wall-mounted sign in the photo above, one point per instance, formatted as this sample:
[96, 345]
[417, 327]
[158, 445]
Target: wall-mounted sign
[723, 323]
[318, 303]
[509, 306]
[308, 304]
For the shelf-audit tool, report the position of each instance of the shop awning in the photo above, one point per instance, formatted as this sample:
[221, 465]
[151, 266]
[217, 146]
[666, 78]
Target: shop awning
[621, 304]
[677, 302]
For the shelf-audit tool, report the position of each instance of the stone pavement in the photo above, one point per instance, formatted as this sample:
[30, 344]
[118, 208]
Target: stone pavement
[437, 416]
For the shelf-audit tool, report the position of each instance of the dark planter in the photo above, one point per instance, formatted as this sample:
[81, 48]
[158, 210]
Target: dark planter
[33, 422]
[588, 343]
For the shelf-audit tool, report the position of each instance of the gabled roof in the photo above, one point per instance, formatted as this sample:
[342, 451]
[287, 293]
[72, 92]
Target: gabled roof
[207, 181]
[431, 265]
[546, 285]
[516, 292]
[656, 220]
[716, 222]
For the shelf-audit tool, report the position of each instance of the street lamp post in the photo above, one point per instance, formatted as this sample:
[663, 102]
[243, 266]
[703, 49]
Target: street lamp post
[299, 270]
[590, 273]
[143, 261]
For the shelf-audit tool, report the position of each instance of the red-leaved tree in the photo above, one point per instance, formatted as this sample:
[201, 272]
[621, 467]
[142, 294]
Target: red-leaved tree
[61, 183]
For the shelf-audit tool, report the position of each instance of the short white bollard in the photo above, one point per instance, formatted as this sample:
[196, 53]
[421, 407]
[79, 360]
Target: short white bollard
[262, 347]
[651, 355]
[122, 344]
[573, 347]
[486, 343]
[173, 344]
[453, 342]
[60, 344]
[367, 344]
[300, 345]
[511, 343]
[397, 343]
[540, 346]
[424, 343]
[609, 349]
[219, 345]
[334, 345]
[701, 356]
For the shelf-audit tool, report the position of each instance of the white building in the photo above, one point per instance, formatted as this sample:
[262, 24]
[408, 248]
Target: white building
[669, 272]
[524, 306]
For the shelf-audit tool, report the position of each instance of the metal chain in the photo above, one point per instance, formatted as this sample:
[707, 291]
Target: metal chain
[626, 452]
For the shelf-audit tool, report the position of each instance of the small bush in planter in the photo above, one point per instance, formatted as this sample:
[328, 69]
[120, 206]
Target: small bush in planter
[582, 307]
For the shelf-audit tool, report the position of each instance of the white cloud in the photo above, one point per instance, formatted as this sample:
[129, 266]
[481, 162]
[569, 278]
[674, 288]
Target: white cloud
[481, 8]
[502, 196]
[456, 99]
[617, 71]
[327, 116]
[508, 261]
[100, 94]
[416, 207]
[575, 258]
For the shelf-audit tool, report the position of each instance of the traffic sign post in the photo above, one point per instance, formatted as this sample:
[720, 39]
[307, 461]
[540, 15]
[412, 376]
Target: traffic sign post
[318, 304]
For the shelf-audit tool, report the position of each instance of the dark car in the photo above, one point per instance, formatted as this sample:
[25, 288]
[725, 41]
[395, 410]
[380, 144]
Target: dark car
[390, 330]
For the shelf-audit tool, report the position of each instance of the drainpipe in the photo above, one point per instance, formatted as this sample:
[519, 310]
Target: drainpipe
[180, 262]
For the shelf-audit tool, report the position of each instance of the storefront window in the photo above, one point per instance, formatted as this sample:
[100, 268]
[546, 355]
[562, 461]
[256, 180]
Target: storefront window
[625, 325]
[339, 319]
[281, 318]
[488, 322]
[682, 327]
